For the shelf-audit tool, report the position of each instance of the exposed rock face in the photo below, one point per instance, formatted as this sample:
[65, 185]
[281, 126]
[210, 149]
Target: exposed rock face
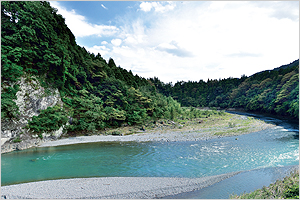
[24, 144]
[31, 98]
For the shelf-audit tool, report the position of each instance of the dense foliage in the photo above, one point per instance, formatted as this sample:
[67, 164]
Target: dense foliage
[51, 119]
[96, 94]
[272, 91]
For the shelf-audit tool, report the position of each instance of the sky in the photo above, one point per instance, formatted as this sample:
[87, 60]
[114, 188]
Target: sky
[187, 40]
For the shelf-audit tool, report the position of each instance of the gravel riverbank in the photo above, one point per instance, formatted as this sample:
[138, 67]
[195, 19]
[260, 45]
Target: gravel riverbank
[165, 131]
[109, 187]
[229, 125]
[139, 137]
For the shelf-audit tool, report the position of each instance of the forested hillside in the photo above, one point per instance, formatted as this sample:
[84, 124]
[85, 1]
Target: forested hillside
[272, 91]
[96, 94]
[36, 42]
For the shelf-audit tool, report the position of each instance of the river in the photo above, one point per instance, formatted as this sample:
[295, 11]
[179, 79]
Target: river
[260, 152]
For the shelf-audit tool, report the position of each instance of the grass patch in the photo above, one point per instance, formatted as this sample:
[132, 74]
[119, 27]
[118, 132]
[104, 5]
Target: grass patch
[17, 140]
[213, 122]
[244, 129]
[116, 133]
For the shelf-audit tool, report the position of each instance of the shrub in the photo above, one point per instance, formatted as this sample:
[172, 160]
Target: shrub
[17, 140]
[231, 124]
[292, 192]
[48, 120]
[9, 108]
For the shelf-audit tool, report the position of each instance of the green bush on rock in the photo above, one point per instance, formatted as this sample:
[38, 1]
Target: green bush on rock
[17, 140]
[48, 120]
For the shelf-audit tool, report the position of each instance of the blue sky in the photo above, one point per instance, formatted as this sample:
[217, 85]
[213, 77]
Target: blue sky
[187, 40]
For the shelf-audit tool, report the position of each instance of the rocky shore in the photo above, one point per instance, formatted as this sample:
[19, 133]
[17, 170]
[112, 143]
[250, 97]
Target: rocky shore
[169, 131]
[136, 187]
[139, 137]
[109, 187]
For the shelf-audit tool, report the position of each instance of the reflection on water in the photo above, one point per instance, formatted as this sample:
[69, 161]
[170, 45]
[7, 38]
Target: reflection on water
[268, 148]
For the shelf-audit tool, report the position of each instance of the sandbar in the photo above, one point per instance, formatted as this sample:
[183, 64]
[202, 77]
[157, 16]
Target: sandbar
[109, 187]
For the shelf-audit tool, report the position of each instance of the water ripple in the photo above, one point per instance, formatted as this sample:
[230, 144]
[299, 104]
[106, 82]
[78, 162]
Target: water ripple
[273, 147]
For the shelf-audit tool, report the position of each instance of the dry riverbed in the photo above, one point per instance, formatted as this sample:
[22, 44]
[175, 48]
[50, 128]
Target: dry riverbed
[170, 131]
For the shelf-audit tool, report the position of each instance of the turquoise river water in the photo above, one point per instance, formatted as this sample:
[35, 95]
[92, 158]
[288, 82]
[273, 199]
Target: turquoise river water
[274, 147]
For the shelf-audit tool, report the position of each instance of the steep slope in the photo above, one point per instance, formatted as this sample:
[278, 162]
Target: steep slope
[50, 84]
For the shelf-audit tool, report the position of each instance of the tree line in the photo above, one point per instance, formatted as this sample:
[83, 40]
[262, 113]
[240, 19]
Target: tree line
[272, 91]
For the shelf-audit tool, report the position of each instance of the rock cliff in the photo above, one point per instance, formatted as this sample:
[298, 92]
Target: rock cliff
[31, 98]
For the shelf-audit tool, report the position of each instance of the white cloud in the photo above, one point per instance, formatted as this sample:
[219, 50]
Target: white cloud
[116, 42]
[201, 40]
[167, 46]
[158, 6]
[103, 50]
[104, 7]
[281, 9]
[134, 33]
[174, 49]
[146, 6]
[213, 40]
[79, 25]
[130, 40]
[135, 39]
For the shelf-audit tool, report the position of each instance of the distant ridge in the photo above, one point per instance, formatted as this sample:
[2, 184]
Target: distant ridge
[292, 64]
